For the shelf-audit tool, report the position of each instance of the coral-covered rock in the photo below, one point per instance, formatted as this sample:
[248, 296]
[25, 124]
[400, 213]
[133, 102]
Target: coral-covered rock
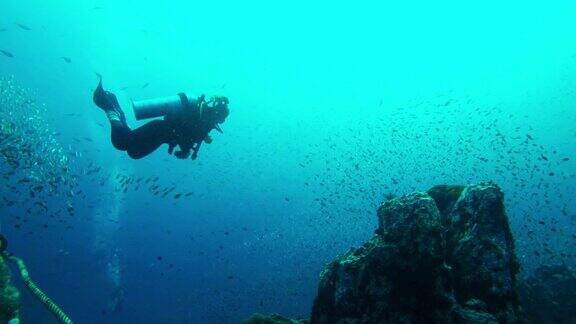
[445, 256]
[272, 319]
[9, 296]
[481, 251]
[442, 257]
[395, 276]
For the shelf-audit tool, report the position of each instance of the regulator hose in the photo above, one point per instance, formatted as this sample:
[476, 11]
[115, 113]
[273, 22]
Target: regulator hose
[51, 305]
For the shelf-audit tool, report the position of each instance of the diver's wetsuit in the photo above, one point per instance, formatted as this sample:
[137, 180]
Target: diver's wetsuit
[186, 129]
[141, 141]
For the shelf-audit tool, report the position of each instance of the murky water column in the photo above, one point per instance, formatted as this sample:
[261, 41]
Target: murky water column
[106, 239]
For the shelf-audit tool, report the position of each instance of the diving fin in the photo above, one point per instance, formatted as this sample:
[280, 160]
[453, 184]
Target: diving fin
[104, 99]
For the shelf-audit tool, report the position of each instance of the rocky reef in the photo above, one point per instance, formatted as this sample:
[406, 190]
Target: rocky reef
[549, 295]
[442, 256]
[9, 296]
[273, 319]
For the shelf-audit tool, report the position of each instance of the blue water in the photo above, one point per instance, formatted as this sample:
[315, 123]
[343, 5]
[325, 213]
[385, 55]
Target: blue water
[333, 108]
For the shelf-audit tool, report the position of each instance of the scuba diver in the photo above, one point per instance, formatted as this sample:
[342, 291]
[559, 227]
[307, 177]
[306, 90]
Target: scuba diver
[187, 123]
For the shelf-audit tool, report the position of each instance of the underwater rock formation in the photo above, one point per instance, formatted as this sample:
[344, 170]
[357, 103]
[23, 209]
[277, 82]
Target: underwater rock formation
[444, 256]
[549, 295]
[272, 319]
[9, 296]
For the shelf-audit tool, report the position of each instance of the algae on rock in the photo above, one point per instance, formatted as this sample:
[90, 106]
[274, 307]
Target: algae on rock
[272, 319]
[444, 256]
[9, 296]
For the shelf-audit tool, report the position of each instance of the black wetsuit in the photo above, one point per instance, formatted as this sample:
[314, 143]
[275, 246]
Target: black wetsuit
[185, 129]
[141, 141]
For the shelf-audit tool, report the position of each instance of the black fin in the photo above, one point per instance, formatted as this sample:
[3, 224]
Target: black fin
[99, 96]
[105, 99]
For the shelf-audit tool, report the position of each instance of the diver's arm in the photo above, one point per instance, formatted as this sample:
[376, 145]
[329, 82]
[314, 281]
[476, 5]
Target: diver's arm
[196, 149]
[184, 151]
[171, 147]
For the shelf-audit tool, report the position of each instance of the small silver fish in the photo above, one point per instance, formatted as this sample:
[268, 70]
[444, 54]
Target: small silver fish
[6, 53]
[24, 27]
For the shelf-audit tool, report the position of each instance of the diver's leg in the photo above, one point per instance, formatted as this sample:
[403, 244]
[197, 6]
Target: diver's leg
[138, 142]
[147, 138]
[121, 135]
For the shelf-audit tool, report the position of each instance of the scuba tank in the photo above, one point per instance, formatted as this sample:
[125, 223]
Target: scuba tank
[158, 107]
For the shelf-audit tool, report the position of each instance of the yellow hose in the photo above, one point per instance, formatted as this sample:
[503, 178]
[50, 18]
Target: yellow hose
[51, 305]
